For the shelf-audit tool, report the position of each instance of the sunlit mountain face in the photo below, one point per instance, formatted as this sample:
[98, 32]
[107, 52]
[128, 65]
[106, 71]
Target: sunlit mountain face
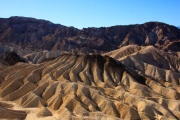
[50, 71]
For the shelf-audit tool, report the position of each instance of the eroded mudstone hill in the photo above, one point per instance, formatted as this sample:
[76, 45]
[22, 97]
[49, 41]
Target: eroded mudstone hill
[89, 86]
[149, 61]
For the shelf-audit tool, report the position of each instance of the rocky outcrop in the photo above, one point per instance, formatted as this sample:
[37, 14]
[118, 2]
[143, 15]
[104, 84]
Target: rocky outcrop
[11, 58]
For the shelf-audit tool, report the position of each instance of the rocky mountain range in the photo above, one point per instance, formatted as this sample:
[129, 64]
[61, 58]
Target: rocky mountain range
[44, 35]
[50, 71]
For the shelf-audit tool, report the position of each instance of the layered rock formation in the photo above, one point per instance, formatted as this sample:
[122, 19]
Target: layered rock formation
[50, 71]
[93, 87]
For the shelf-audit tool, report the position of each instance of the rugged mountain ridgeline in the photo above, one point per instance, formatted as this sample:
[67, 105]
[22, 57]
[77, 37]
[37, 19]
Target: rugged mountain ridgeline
[44, 35]
[50, 71]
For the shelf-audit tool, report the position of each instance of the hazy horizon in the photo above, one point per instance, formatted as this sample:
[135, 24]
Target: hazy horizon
[95, 13]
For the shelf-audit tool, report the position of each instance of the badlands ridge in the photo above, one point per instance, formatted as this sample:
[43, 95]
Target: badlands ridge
[87, 86]
[53, 72]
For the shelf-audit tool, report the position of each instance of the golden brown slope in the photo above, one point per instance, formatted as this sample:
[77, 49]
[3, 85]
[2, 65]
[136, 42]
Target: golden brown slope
[93, 87]
[150, 62]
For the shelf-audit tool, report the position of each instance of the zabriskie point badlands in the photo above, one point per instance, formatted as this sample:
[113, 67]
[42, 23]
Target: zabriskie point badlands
[53, 72]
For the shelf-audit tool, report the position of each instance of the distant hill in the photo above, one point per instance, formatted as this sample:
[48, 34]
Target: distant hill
[37, 34]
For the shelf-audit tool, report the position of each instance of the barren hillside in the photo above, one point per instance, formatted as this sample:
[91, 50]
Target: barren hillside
[50, 71]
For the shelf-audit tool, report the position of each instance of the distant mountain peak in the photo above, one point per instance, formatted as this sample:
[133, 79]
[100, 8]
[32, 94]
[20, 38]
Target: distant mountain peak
[38, 34]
